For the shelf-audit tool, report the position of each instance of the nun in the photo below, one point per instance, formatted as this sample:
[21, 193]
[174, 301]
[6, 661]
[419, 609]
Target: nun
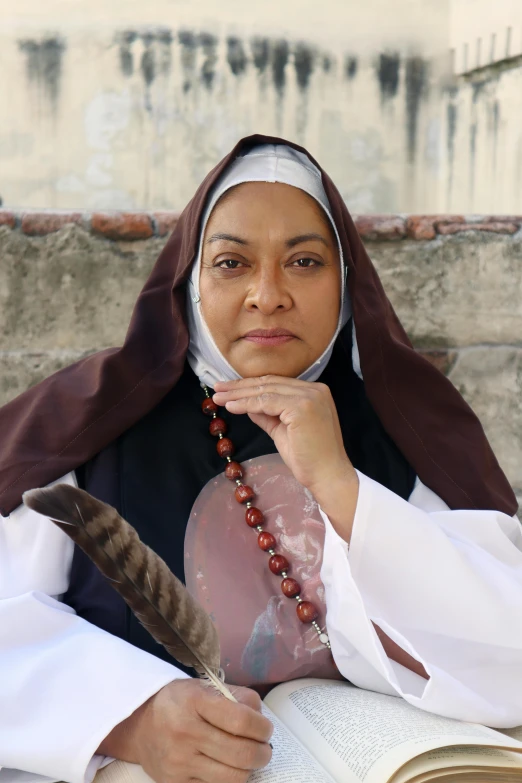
[324, 492]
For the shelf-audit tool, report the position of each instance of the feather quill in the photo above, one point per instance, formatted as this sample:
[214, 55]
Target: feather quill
[159, 600]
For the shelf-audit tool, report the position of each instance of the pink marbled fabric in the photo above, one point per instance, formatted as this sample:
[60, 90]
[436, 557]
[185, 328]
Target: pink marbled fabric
[262, 640]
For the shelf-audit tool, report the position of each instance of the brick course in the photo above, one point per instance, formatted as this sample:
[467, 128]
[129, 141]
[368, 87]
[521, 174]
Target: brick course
[143, 225]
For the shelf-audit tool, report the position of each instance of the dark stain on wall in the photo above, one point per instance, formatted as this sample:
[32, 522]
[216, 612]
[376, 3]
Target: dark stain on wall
[279, 59]
[327, 63]
[496, 123]
[126, 39]
[189, 44]
[350, 67]
[44, 64]
[472, 156]
[164, 38]
[477, 90]
[388, 68]
[148, 60]
[236, 56]
[451, 118]
[304, 57]
[416, 77]
[260, 53]
[452, 129]
[208, 69]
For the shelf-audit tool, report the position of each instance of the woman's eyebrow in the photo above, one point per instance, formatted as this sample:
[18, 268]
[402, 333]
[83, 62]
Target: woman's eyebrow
[292, 242]
[226, 237]
[305, 238]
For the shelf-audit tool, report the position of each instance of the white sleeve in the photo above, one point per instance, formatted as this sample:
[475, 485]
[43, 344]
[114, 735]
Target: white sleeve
[64, 683]
[446, 586]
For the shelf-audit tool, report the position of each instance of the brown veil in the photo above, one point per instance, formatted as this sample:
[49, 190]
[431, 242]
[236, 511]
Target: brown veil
[66, 419]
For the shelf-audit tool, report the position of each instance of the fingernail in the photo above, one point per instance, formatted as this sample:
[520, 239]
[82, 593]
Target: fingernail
[271, 745]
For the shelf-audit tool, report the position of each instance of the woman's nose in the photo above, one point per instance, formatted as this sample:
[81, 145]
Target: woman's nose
[268, 293]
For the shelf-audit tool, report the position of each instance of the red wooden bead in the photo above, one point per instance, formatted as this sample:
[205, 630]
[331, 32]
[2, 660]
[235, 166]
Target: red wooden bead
[278, 563]
[290, 587]
[225, 447]
[233, 471]
[306, 612]
[266, 541]
[254, 517]
[208, 406]
[244, 493]
[217, 426]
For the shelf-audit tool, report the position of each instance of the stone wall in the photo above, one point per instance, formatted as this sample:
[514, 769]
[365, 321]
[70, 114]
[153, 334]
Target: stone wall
[68, 282]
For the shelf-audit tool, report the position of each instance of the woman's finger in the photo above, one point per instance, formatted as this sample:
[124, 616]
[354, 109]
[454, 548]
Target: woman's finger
[220, 398]
[269, 404]
[237, 752]
[234, 718]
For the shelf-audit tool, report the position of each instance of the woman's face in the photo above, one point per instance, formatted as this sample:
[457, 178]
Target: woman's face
[270, 264]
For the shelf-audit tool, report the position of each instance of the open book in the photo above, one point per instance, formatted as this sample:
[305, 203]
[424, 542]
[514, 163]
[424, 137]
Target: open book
[332, 732]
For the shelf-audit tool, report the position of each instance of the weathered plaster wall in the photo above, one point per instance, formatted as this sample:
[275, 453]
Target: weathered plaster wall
[68, 283]
[127, 105]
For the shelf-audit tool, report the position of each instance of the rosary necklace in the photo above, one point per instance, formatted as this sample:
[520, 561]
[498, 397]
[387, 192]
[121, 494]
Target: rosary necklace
[277, 563]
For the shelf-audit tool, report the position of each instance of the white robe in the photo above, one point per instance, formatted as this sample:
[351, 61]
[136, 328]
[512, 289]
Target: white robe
[445, 585]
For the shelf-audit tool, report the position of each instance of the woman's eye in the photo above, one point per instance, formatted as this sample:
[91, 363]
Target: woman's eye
[305, 263]
[229, 263]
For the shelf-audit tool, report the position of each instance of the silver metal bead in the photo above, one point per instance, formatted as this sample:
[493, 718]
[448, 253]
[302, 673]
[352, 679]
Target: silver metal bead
[284, 574]
[271, 552]
[220, 436]
[239, 482]
[259, 528]
[229, 459]
[298, 599]
[249, 504]
[323, 637]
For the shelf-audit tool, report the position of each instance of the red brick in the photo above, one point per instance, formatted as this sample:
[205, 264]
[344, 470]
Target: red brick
[442, 360]
[496, 228]
[122, 225]
[379, 227]
[502, 219]
[7, 218]
[41, 223]
[421, 227]
[447, 220]
[165, 222]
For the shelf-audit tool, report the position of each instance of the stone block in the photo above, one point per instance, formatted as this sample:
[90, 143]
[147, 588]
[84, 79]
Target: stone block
[7, 218]
[497, 227]
[380, 227]
[42, 223]
[455, 290]
[122, 225]
[490, 380]
[20, 370]
[69, 290]
[421, 227]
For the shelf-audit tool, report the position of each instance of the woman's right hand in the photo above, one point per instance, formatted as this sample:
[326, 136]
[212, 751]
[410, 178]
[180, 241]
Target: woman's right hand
[188, 731]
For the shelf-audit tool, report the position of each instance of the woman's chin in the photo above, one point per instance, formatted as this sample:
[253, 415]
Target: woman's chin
[261, 363]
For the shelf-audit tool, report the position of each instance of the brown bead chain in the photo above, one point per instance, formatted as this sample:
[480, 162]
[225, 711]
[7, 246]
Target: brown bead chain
[278, 564]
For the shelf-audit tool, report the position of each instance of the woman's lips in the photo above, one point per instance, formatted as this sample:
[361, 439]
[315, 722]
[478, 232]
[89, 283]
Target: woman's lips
[269, 336]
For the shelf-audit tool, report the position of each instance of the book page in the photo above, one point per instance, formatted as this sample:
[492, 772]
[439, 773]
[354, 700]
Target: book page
[290, 763]
[463, 757]
[365, 737]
